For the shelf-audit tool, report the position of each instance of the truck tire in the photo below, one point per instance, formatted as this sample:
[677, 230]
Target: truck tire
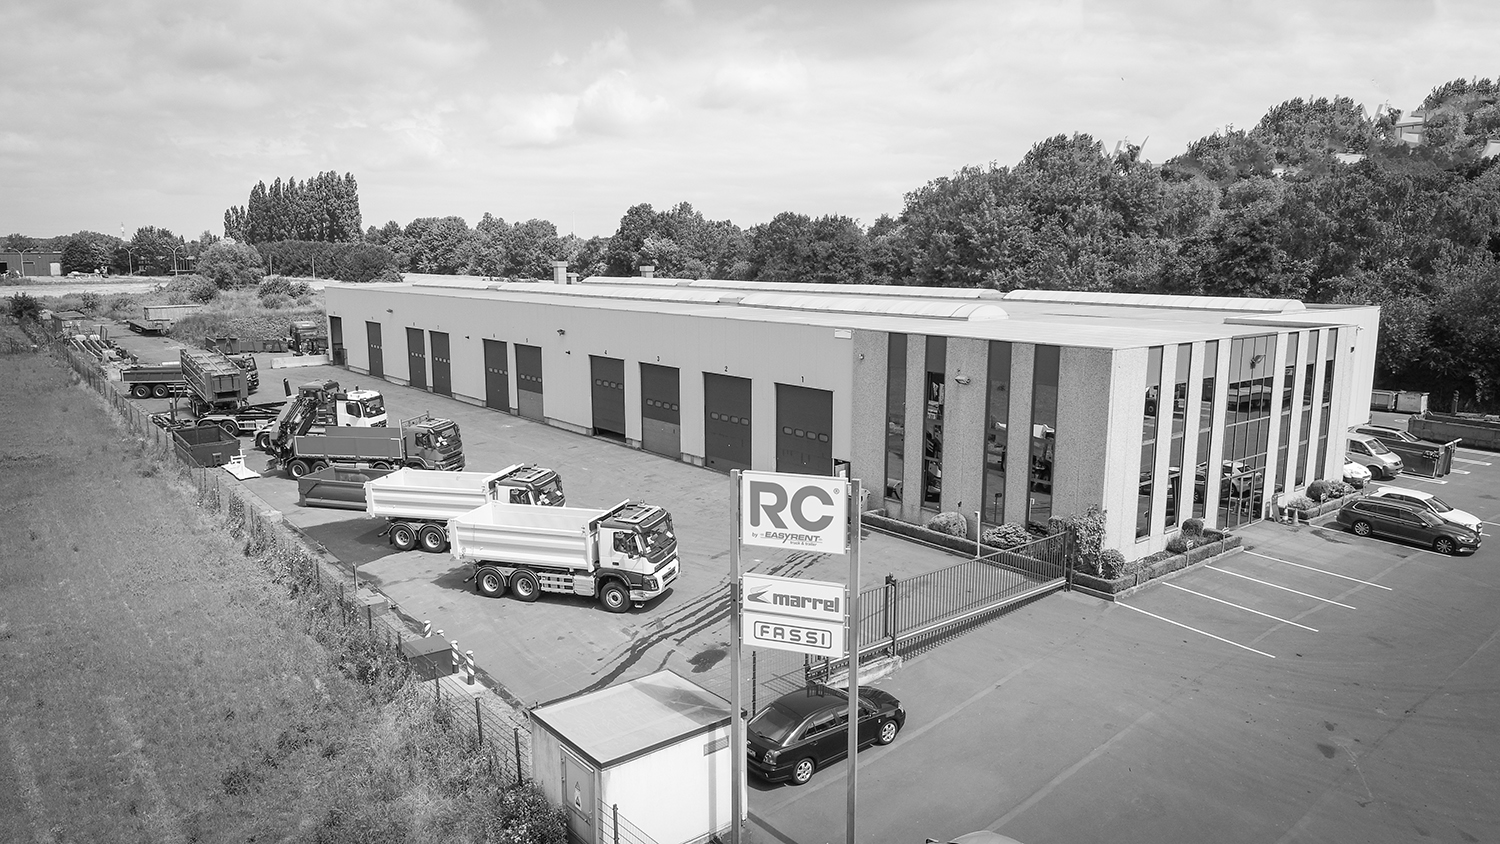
[524, 586]
[614, 596]
[434, 539]
[380, 464]
[297, 468]
[141, 391]
[489, 582]
[160, 391]
[319, 465]
[404, 537]
[229, 427]
[263, 441]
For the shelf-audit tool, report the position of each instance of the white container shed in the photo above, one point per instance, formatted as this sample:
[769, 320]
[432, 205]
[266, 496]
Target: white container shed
[645, 760]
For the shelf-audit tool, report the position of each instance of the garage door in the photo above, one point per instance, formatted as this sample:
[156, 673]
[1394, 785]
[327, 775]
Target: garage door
[529, 381]
[804, 429]
[496, 375]
[377, 361]
[442, 368]
[609, 396]
[726, 422]
[661, 419]
[416, 357]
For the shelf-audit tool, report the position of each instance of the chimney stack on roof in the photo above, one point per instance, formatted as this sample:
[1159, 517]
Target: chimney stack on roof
[559, 272]
[648, 271]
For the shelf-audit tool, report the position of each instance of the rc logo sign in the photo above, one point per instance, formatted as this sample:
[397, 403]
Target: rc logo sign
[802, 512]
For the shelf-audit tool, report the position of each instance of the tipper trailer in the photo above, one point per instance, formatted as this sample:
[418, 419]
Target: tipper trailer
[624, 555]
[417, 503]
[148, 380]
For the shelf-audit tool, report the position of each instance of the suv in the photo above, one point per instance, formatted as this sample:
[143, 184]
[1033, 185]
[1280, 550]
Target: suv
[1399, 520]
[1372, 454]
[1437, 506]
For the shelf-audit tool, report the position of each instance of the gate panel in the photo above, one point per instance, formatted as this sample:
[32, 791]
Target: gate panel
[529, 382]
[726, 422]
[377, 360]
[442, 367]
[496, 375]
[609, 395]
[661, 416]
[416, 357]
[804, 429]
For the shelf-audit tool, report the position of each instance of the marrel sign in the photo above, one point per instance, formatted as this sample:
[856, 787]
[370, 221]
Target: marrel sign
[801, 512]
[795, 597]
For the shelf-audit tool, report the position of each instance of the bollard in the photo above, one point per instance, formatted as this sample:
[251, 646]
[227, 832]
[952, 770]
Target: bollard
[426, 629]
[469, 661]
[458, 656]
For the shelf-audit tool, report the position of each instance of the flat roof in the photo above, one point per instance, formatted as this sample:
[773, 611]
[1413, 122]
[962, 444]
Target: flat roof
[1088, 320]
[616, 724]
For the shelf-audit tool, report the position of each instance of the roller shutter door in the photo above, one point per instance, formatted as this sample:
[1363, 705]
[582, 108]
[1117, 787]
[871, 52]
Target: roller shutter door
[661, 417]
[804, 430]
[726, 422]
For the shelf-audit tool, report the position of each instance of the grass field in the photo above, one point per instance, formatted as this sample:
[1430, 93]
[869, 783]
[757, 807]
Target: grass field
[160, 685]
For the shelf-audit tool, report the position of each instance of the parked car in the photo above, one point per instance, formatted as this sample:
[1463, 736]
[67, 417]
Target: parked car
[1372, 516]
[1373, 455]
[1437, 506]
[1389, 435]
[1355, 475]
[805, 730]
[983, 836]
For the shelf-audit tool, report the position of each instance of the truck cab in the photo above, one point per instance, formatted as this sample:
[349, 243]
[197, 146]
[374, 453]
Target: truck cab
[639, 539]
[525, 484]
[358, 409]
[307, 337]
[433, 443]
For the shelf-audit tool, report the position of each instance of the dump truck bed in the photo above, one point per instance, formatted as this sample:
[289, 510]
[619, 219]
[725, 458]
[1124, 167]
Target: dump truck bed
[526, 535]
[352, 444]
[426, 494]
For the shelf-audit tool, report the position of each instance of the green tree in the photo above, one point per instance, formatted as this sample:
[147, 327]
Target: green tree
[231, 265]
[436, 245]
[87, 252]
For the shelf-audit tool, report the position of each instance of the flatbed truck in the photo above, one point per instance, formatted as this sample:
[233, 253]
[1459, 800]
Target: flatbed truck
[418, 503]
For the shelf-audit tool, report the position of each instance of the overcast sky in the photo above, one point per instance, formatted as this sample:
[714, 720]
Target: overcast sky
[137, 112]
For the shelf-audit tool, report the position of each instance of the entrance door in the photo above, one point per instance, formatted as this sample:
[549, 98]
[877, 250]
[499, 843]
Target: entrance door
[336, 341]
[416, 357]
[377, 362]
[496, 375]
[726, 422]
[578, 796]
[804, 427]
[661, 418]
[609, 396]
[442, 369]
[529, 382]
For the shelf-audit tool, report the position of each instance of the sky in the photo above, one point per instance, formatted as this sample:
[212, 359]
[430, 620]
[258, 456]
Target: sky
[146, 112]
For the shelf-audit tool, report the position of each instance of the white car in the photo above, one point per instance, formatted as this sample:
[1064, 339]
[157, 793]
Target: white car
[1432, 503]
[1355, 475]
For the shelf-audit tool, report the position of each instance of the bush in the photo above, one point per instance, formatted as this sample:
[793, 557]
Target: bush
[24, 306]
[1339, 489]
[1087, 530]
[1193, 528]
[275, 301]
[1179, 544]
[953, 524]
[231, 265]
[1318, 490]
[1005, 536]
[291, 289]
[1300, 503]
[1111, 564]
[191, 288]
[121, 306]
[89, 302]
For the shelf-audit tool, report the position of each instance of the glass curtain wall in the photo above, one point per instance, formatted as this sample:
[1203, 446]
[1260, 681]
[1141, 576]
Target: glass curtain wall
[1247, 429]
[1309, 379]
[1329, 352]
[1149, 427]
[1205, 427]
[1043, 432]
[1288, 394]
[997, 414]
[1179, 431]
[932, 423]
[895, 416]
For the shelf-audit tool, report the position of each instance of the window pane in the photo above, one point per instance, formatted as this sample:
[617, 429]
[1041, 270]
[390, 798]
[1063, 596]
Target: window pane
[997, 414]
[932, 423]
[1149, 426]
[1043, 431]
[895, 416]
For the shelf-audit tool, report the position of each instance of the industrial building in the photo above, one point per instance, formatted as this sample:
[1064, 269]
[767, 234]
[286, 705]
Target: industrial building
[1010, 407]
[30, 263]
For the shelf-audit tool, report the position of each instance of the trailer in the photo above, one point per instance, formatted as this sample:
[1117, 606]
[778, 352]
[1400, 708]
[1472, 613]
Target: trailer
[625, 555]
[153, 380]
[214, 381]
[417, 503]
[425, 442]
[159, 319]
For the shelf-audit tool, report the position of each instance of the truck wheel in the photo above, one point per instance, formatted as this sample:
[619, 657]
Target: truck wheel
[141, 391]
[229, 427]
[380, 464]
[403, 537]
[614, 597]
[160, 391]
[524, 586]
[320, 465]
[433, 538]
[263, 441]
[297, 468]
[489, 583]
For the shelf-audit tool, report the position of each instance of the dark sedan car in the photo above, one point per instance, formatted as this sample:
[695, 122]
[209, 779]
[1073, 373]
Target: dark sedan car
[807, 729]
[1399, 520]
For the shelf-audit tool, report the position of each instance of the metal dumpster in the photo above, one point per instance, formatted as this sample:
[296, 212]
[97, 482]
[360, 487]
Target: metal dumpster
[207, 445]
[1408, 401]
[337, 487]
[1383, 400]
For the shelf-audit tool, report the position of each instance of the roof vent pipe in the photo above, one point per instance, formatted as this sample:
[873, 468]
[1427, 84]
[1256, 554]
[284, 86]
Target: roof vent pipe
[559, 272]
[648, 271]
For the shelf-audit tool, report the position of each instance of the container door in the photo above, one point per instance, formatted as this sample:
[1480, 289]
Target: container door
[377, 362]
[661, 418]
[726, 422]
[496, 375]
[416, 357]
[578, 796]
[529, 382]
[609, 396]
[804, 428]
[442, 371]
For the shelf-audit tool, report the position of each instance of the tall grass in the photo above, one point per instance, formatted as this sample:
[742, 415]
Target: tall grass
[241, 313]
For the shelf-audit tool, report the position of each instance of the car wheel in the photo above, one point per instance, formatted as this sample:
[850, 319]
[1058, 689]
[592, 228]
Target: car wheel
[888, 731]
[433, 538]
[403, 537]
[1444, 545]
[1360, 528]
[614, 597]
[524, 586]
[802, 771]
[489, 583]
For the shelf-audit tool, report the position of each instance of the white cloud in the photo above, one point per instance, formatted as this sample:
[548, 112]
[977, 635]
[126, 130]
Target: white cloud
[614, 105]
[757, 84]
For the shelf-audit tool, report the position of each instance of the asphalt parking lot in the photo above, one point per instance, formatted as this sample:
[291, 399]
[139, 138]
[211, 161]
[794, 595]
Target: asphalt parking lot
[1316, 686]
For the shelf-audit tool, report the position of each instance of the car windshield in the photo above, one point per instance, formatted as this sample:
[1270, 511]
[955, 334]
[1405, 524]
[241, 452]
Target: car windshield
[774, 724]
[658, 535]
[1377, 447]
[1439, 505]
[373, 406]
[551, 491]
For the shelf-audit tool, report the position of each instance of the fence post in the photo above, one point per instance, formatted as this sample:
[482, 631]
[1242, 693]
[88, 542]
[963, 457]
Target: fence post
[890, 610]
[615, 822]
[520, 777]
[478, 721]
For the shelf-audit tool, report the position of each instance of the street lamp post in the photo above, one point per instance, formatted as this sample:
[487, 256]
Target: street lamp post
[180, 247]
[130, 258]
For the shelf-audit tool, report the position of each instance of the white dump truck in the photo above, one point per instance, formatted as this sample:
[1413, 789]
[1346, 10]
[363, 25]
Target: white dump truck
[624, 555]
[418, 503]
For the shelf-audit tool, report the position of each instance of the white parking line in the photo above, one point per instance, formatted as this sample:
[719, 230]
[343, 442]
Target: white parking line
[1194, 629]
[1321, 571]
[1406, 477]
[1460, 471]
[1238, 607]
[1275, 586]
[1488, 522]
[1475, 462]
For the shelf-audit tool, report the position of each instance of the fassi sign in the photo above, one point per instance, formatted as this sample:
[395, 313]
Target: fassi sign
[802, 512]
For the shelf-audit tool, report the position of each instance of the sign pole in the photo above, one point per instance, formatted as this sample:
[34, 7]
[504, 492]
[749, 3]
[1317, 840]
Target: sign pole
[736, 723]
[851, 640]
